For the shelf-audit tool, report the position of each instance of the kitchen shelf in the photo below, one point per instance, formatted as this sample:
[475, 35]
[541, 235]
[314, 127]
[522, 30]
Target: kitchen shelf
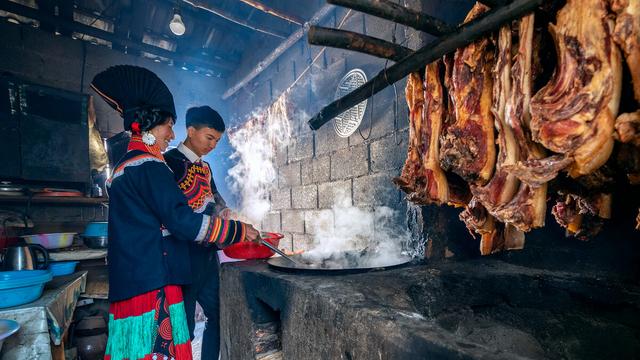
[77, 200]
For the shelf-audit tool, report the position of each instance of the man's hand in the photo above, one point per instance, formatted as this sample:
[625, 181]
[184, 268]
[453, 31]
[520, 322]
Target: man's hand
[226, 214]
[251, 234]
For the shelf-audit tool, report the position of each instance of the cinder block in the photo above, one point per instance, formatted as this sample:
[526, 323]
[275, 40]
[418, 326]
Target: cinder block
[301, 147]
[293, 221]
[281, 199]
[387, 154]
[302, 242]
[289, 175]
[304, 197]
[349, 163]
[334, 192]
[271, 222]
[328, 141]
[375, 190]
[317, 170]
[318, 221]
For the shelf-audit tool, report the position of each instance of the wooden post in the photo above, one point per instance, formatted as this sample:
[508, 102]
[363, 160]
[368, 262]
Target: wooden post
[387, 10]
[357, 42]
[465, 34]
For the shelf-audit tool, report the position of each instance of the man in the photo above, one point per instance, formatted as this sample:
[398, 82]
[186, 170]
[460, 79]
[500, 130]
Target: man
[205, 127]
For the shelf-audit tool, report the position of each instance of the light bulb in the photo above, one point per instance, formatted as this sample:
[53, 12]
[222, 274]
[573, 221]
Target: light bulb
[176, 25]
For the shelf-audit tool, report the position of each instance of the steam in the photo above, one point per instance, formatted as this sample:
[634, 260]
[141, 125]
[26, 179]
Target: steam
[254, 174]
[345, 230]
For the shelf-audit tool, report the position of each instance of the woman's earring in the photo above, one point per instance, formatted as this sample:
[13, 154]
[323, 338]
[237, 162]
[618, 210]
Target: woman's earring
[148, 138]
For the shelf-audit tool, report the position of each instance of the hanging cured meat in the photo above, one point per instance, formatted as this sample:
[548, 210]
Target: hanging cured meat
[467, 145]
[582, 215]
[627, 35]
[574, 113]
[502, 186]
[526, 210]
[412, 180]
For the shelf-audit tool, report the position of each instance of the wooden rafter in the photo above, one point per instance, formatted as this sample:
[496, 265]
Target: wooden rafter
[277, 13]
[18, 9]
[223, 14]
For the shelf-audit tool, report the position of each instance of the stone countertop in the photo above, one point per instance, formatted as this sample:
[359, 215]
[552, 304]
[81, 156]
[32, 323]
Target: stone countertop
[476, 309]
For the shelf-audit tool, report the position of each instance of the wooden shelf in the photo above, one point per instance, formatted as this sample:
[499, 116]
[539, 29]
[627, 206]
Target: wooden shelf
[74, 200]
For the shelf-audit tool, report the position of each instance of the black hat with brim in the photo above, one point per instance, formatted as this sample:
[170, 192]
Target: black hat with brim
[128, 89]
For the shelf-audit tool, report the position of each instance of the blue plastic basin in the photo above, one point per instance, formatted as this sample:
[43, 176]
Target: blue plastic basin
[60, 268]
[96, 228]
[21, 287]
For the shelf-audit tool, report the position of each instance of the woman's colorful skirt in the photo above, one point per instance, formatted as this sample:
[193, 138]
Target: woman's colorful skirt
[150, 326]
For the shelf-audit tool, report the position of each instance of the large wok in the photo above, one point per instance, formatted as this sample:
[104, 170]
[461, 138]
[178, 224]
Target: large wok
[347, 262]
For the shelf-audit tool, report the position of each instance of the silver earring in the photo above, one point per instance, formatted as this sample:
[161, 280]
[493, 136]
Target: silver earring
[148, 138]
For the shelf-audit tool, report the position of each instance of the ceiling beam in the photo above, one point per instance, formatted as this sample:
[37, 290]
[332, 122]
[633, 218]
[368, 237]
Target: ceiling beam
[223, 14]
[275, 54]
[215, 65]
[273, 12]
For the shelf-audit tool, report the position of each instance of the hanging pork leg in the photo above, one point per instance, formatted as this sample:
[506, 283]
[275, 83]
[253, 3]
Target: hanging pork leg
[467, 145]
[412, 180]
[526, 210]
[627, 35]
[574, 113]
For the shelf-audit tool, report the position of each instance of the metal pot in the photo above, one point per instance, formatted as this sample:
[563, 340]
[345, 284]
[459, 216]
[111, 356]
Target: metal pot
[96, 242]
[24, 257]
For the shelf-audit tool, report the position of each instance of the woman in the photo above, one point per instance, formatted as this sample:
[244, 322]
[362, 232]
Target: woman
[150, 225]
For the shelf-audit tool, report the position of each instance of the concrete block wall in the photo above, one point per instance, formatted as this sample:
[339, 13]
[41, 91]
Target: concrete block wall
[318, 168]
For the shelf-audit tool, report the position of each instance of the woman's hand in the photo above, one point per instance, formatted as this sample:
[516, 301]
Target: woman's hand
[251, 234]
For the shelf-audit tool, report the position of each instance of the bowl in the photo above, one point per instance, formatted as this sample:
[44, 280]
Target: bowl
[50, 241]
[96, 242]
[7, 328]
[96, 229]
[22, 286]
[249, 250]
[60, 268]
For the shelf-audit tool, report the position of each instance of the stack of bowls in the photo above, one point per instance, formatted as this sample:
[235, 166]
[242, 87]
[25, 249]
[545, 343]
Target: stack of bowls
[96, 235]
[22, 286]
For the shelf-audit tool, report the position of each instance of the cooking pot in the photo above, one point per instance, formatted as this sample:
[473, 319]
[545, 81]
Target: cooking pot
[347, 262]
[24, 257]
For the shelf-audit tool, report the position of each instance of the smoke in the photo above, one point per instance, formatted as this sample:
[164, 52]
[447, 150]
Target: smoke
[254, 174]
[371, 234]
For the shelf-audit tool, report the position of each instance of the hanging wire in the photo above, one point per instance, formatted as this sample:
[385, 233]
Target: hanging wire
[370, 119]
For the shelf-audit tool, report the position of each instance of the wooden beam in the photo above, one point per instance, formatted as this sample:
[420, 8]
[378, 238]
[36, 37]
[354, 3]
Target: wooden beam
[463, 36]
[495, 3]
[223, 14]
[277, 13]
[29, 12]
[357, 42]
[391, 11]
[284, 46]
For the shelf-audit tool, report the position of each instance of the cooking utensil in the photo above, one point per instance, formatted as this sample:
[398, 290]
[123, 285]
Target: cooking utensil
[351, 262]
[277, 251]
[21, 287]
[96, 242]
[24, 257]
[7, 328]
[250, 250]
[50, 241]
